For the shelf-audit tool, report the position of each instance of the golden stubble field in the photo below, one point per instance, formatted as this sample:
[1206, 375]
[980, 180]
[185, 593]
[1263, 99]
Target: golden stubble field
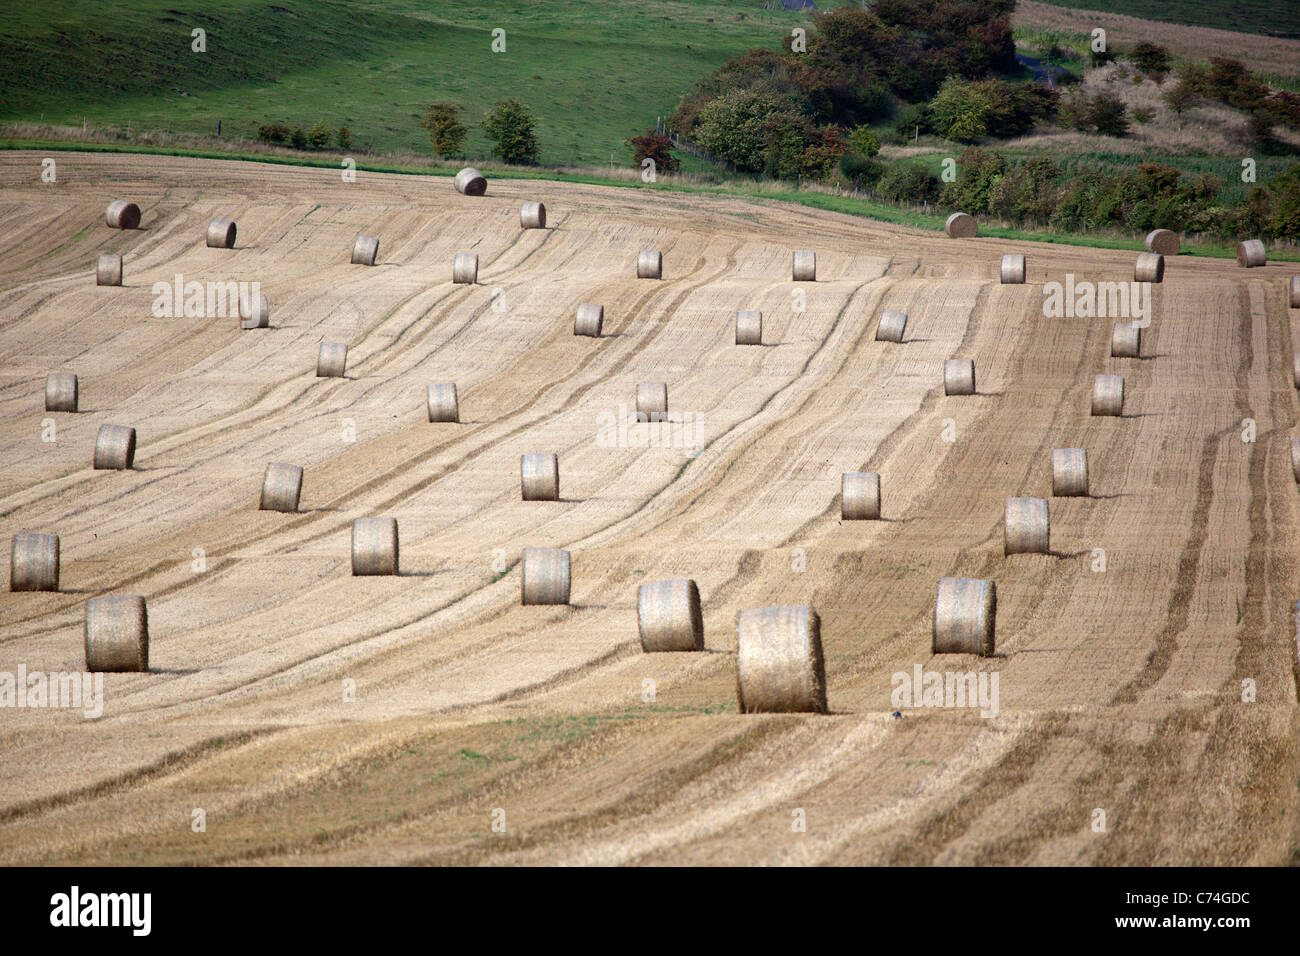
[1120, 689]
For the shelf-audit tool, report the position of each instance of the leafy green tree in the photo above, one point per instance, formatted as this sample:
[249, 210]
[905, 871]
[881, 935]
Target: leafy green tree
[512, 128]
[344, 137]
[864, 141]
[318, 137]
[446, 134]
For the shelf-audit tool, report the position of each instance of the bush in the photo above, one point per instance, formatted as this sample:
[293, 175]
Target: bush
[1027, 192]
[273, 133]
[446, 133]
[511, 127]
[344, 137]
[1103, 113]
[908, 182]
[864, 141]
[319, 135]
[1143, 114]
[966, 111]
[1179, 97]
[1150, 58]
[862, 172]
[656, 146]
[298, 138]
[979, 174]
[756, 131]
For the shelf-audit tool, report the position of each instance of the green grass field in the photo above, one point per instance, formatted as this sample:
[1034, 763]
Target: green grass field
[1279, 18]
[593, 73]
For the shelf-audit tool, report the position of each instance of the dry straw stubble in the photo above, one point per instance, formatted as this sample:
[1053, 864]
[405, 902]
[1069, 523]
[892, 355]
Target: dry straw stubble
[669, 617]
[779, 664]
[117, 633]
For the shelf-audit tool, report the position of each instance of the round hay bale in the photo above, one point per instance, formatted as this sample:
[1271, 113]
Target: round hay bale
[365, 251]
[539, 476]
[891, 326]
[964, 616]
[649, 264]
[1126, 340]
[117, 633]
[1026, 526]
[255, 313]
[652, 401]
[1108, 395]
[805, 267]
[1251, 253]
[779, 665]
[1295, 459]
[470, 182]
[668, 616]
[221, 234]
[122, 214]
[1069, 473]
[546, 576]
[1013, 270]
[281, 487]
[532, 215]
[961, 226]
[1295, 292]
[34, 562]
[1163, 241]
[331, 360]
[60, 392]
[443, 403]
[108, 270]
[374, 546]
[1150, 267]
[464, 269]
[589, 320]
[859, 496]
[749, 327]
[959, 377]
[115, 447]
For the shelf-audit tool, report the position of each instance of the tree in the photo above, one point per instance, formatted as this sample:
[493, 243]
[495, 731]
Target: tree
[298, 138]
[273, 133]
[864, 141]
[319, 135]
[657, 146]
[344, 136]
[446, 133]
[1150, 58]
[511, 127]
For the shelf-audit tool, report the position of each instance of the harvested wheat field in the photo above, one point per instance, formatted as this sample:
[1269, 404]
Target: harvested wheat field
[429, 716]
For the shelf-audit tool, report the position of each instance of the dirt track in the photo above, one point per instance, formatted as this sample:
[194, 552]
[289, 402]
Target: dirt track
[1120, 690]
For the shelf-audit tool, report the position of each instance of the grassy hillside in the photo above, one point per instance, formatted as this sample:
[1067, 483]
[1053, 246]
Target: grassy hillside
[1279, 18]
[593, 73]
